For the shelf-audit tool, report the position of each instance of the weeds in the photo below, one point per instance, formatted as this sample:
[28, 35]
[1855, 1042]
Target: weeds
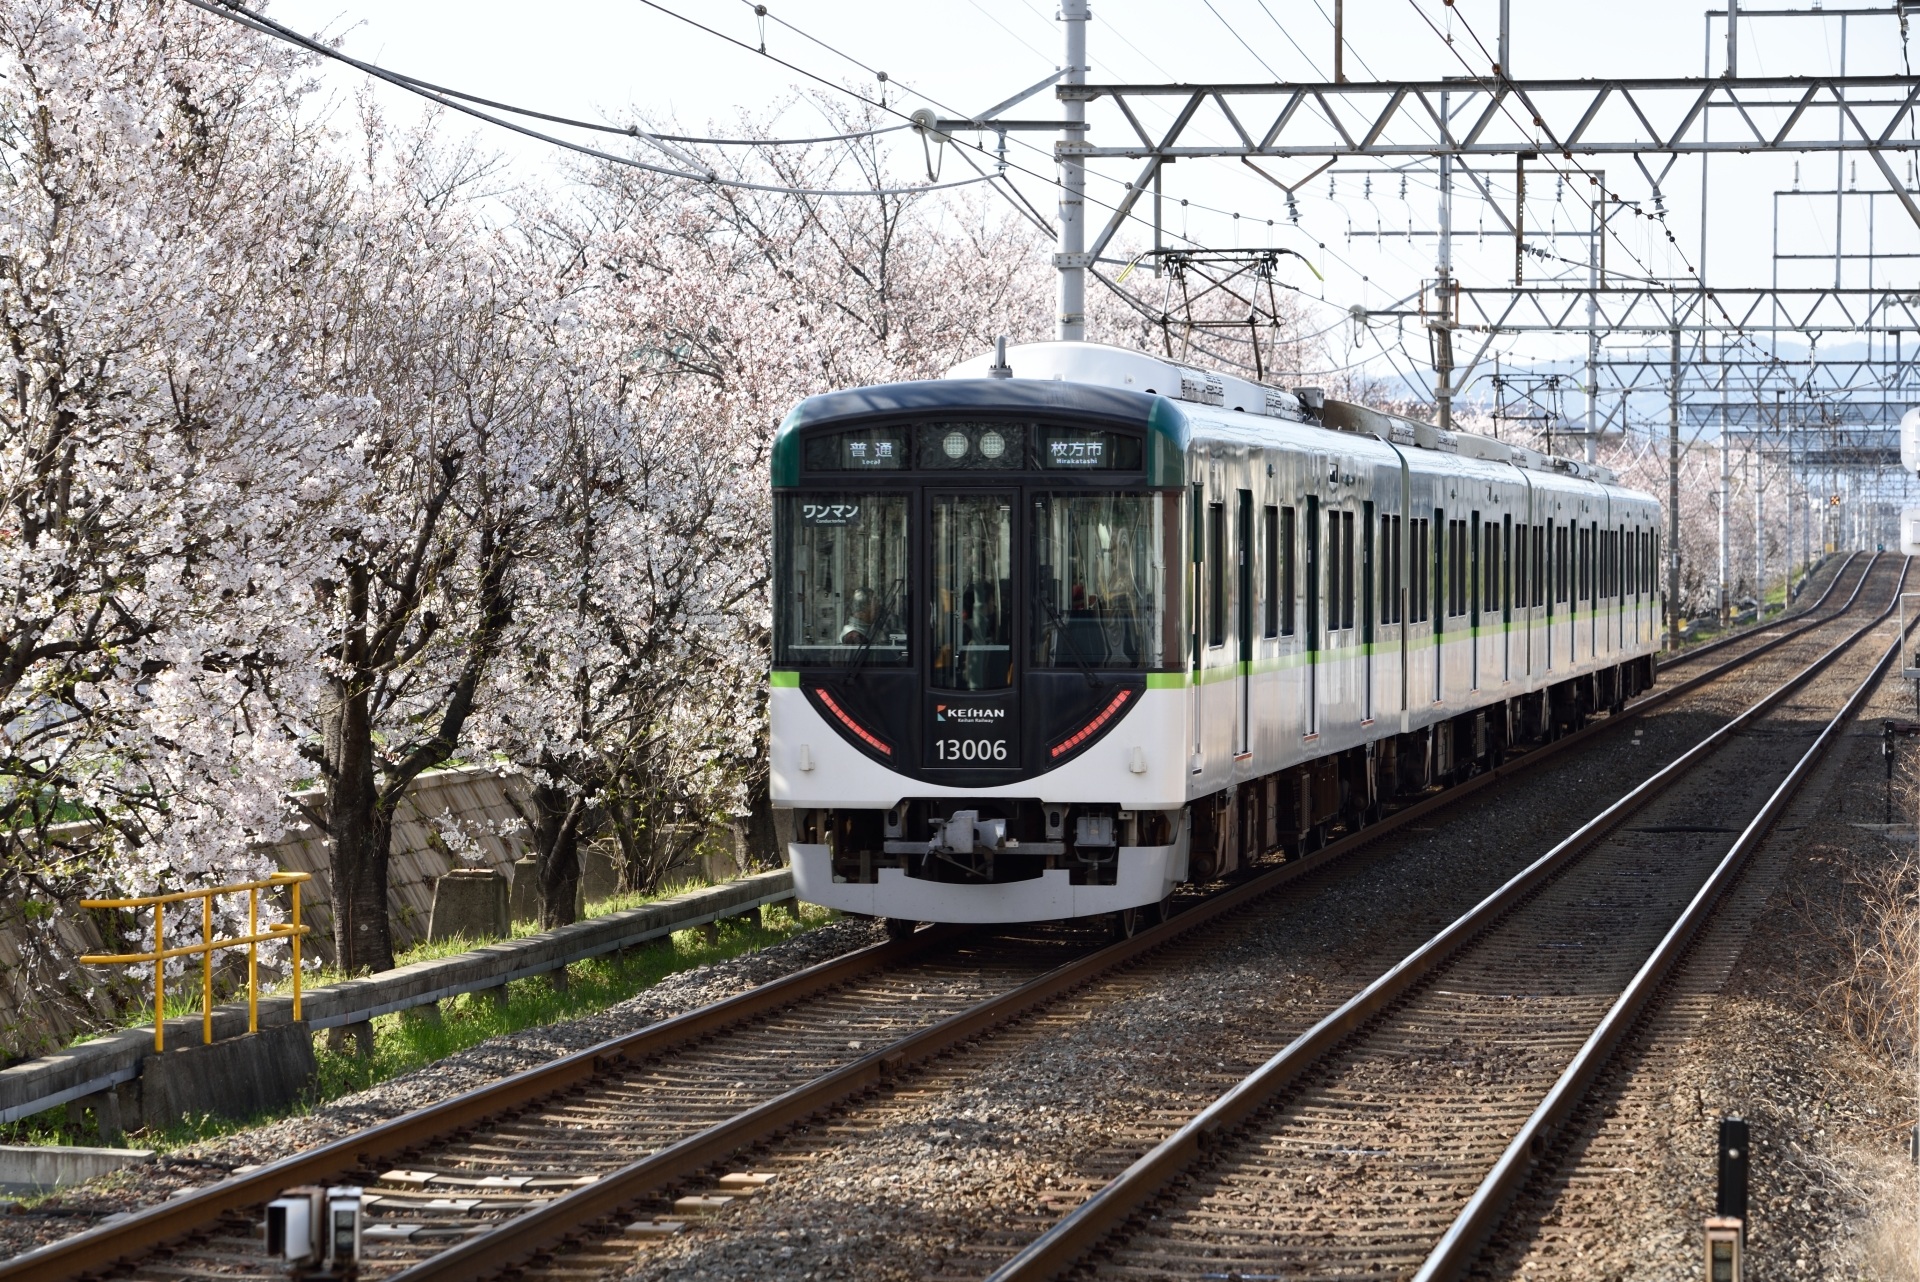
[408, 1040]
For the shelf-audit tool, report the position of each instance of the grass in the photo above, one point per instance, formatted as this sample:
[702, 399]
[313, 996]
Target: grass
[408, 1040]
[183, 994]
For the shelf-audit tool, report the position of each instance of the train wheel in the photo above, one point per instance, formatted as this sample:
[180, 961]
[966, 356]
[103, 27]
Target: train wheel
[899, 928]
[1128, 922]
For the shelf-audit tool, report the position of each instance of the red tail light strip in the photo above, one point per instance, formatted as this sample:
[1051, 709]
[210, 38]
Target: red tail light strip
[1093, 727]
[851, 724]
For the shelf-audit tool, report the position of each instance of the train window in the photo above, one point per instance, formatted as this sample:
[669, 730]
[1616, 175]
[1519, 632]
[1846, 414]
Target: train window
[841, 573]
[1490, 567]
[1098, 570]
[1288, 585]
[1341, 569]
[1586, 564]
[970, 447]
[1419, 572]
[1539, 595]
[1389, 569]
[867, 449]
[1562, 580]
[1270, 576]
[1333, 571]
[1085, 449]
[1216, 574]
[971, 593]
[1522, 585]
[1457, 570]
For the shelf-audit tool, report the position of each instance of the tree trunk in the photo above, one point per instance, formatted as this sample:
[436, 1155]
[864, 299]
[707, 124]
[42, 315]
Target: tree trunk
[557, 816]
[359, 833]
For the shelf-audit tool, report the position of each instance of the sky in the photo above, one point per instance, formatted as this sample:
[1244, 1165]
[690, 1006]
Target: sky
[627, 60]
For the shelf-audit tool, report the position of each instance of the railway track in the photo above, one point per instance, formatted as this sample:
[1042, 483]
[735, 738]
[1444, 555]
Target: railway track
[510, 1174]
[1734, 642]
[1390, 1137]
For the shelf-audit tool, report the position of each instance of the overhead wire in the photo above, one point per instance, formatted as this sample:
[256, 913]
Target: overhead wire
[232, 11]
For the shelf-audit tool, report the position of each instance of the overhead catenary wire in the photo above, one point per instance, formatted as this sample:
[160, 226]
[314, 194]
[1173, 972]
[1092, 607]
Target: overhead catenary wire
[234, 12]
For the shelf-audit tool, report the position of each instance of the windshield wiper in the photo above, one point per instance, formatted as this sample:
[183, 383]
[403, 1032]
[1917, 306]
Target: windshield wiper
[858, 658]
[1066, 633]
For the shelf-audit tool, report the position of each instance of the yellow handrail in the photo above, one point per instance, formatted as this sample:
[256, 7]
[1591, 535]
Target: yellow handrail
[289, 930]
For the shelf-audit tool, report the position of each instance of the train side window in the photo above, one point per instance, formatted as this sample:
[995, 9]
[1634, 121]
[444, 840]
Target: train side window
[1335, 551]
[1270, 576]
[1519, 566]
[1389, 572]
[1457, 572]
[1288, 586]
[1489, 567]
[1562, 581]
[1537, 595]
[1345, 566]
[1216, 574]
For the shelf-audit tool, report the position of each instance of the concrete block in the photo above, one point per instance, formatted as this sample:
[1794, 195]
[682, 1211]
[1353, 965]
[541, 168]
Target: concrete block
[599, 871]
[526, 891]
[238, 1079]
[41, 1168]
[469, 903]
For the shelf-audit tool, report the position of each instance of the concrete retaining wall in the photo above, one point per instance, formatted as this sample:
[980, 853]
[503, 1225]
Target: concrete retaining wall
[101, 1065]
[38, 1168]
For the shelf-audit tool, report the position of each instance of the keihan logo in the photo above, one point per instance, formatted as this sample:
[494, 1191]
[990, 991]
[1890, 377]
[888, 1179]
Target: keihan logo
[943, 712]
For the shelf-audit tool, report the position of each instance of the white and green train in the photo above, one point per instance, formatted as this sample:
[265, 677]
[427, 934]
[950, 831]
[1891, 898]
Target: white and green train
[1074, 625]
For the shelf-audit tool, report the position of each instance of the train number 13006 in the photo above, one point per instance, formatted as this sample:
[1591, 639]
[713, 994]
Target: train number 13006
[970, 749]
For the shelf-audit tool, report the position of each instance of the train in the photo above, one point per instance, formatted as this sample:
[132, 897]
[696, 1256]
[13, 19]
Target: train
[1074, 625]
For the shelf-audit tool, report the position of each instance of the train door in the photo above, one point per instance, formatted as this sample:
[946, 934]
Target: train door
[1243, 589]
[1312, 640]
[1368, 594]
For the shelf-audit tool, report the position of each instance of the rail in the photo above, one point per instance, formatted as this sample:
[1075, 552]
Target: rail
[291, 930]
[1083, 1229]
[526, 1236]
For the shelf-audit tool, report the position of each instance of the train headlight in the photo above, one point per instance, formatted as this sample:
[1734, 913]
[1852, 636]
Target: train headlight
[992, 445]
[955, 445]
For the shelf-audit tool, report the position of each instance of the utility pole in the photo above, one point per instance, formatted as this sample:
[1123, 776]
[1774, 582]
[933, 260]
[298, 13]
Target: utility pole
[1505, 48]
[1339, 41]
[1673, 500]
[1727, 501]
[1072, 260]
[1596, 227]
[1443, 326]
[1759, 534]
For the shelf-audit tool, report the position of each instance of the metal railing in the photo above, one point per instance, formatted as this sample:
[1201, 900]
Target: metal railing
[290, 930]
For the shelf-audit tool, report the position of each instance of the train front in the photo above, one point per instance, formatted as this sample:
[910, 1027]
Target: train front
[978, 690]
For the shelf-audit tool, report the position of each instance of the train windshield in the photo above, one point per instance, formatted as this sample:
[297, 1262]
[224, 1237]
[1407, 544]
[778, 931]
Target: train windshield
[843, 578]
[972, 590]
[1098, 568]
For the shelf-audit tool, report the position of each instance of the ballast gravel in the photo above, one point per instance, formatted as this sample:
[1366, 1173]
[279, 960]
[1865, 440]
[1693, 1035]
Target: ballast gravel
[188, 1168]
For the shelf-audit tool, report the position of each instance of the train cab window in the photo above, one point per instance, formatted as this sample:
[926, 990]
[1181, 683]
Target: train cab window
[841, 573]
[1216, 574]
[971, 605]
[1289, 585]
[1270, 571]
[1098, 569]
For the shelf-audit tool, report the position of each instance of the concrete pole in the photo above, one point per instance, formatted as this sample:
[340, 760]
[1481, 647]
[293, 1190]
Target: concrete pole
[1593, 331]
[1071, 260]
[1443, 328]
[1673, 500]
[1759, 532]
[1727, 503]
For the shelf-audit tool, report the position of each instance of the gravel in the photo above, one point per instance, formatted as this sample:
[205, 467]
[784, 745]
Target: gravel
[191, 1167]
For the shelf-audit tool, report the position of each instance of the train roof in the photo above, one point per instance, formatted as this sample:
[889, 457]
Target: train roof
[1097, 365]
